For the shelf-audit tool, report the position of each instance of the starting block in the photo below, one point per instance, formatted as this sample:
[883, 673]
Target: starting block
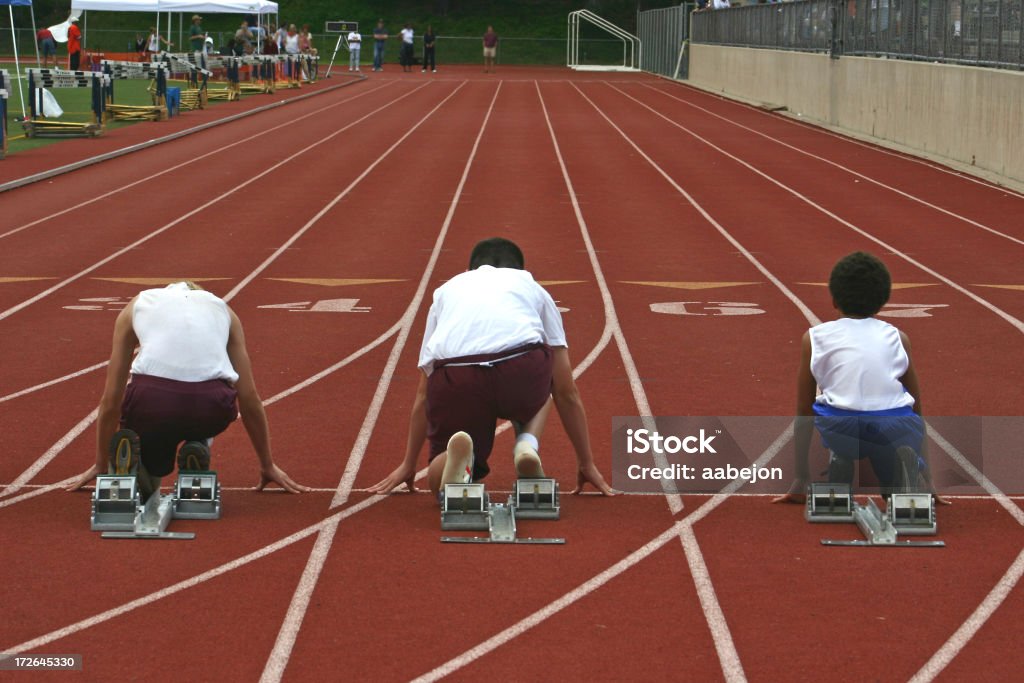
[117, 510]
[912, 514]
[467, 507]
[879, 530]
[829, 503]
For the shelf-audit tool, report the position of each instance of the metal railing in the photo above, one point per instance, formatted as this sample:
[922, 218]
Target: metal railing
[977, 32]
[664, 33]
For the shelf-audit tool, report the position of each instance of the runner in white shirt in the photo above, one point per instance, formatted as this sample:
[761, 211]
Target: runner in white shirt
[494, 348]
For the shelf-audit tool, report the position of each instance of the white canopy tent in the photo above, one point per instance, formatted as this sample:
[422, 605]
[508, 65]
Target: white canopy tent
[14, 40]
[258, 7]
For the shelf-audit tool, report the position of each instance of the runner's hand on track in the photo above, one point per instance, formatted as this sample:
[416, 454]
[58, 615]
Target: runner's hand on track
[84, 478]
[278, 476]
[796, 494]
[590, 474]
[402, 473]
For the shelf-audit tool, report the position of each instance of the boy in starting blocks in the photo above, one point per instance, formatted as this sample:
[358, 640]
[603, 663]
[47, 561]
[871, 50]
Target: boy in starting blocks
[857, 384]
[191, 378]
[494, 347]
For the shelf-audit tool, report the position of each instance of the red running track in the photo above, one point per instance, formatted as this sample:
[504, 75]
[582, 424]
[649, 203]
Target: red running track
[624, 192]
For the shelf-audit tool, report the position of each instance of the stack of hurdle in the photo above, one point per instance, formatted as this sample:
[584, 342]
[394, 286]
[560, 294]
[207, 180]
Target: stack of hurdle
[311, 63]
[40, 127]
[230, 65]
[197, 77]
[5, 80]
[288, 69]
[262, 74]
[155, 72]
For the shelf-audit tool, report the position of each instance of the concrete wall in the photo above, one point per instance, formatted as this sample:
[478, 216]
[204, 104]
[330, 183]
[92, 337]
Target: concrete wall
[966, 115]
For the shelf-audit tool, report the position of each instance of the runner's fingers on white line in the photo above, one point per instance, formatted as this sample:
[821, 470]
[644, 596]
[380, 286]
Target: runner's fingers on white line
[83, 479]
[590, 474]
[279, 477]
[400, 475]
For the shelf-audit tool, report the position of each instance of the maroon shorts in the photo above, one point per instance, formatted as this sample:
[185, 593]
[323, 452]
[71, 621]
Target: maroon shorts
[166, 412]
[471, 398]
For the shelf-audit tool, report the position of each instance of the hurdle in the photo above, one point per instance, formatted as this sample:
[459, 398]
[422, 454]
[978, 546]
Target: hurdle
[230, 92]
[197, 77]
[467, 507]
[155, 72]
[5, 79]
[37, 126]
[118, 511]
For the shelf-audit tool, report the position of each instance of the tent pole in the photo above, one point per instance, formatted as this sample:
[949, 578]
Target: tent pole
[35, 41]
[85, 29]
[17, 65]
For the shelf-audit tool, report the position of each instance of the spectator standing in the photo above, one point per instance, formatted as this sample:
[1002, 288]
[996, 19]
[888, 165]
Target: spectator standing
[291, 40]
[243, 39]
[47, 46]
[306, 41]
[429, 38]
[490, 49]
[380, 37]
[74, 44]
[197, 40]
[153, 42]
[270, 41]
[405, 54]
[355, 44]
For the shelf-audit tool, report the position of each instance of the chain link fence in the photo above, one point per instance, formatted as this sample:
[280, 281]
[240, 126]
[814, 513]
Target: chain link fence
[976, 32]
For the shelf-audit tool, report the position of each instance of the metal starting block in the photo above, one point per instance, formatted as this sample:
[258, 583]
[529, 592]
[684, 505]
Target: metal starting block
[913, 514]
[878, 530]
[118, 512]
[197, 496]
[829, 503]
[114, 503]
[467, 507]
[536, 499]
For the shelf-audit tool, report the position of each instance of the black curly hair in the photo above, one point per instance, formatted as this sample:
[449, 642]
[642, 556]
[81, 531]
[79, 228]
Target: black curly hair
[860, 284]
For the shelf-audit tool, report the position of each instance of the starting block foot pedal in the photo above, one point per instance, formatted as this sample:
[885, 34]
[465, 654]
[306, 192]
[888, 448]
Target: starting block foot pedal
[151, 521]
[829, 503]
[536, 499]
[465, 508]
[197, 496]
[913, 514]
[114, 503]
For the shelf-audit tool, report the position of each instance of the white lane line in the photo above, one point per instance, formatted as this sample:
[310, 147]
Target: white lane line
[58, 380]
[989, 605]
[192, 160]
[75, 431]
[834, 164]
[1018, 324]
[277, 660]
[874, 147]
[252, 179]
[674, 500]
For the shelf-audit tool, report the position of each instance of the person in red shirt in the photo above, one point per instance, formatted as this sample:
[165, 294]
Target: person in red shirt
[47, 46]
[74, 45]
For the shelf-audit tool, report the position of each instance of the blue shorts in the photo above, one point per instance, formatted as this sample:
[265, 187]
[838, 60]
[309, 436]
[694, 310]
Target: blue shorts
[854, 435]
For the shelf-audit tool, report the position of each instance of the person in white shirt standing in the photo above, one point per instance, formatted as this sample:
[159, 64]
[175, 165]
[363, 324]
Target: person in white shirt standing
[494, 348]
[405, 54]
[191, 378]
[355, 44]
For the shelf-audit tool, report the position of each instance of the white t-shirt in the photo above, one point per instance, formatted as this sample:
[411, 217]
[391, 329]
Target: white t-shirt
[489, 310]
[858, 364]
[291, 44]
[154, 42]
[183, 335]
[407, 35]
[354, 40]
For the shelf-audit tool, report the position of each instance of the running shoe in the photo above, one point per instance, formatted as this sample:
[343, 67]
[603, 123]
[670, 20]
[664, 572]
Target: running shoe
[125, 450]
[527, 461]
[194, 456]
[458, 467]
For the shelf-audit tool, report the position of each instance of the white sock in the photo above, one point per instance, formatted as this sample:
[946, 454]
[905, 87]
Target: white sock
[530, 439]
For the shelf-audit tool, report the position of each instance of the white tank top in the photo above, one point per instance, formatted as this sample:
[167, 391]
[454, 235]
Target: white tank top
[858, 364]
[183, 335]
